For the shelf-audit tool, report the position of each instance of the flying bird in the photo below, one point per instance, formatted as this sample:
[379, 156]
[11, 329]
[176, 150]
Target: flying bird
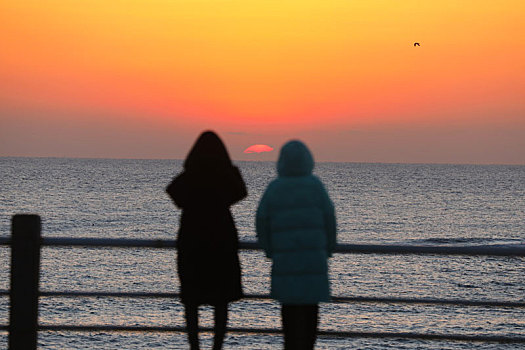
[416, 44]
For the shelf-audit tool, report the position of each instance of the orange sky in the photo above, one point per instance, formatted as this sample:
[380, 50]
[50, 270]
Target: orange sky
[142, 78]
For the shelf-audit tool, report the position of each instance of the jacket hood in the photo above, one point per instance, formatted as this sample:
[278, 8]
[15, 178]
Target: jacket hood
[295, 159]
[207, 152]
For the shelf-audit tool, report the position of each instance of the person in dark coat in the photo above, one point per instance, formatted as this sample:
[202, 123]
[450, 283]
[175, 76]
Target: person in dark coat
[207, 261]
[297, 229]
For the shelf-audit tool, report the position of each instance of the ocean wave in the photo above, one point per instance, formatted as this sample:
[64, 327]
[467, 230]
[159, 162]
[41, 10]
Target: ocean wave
[467, 240]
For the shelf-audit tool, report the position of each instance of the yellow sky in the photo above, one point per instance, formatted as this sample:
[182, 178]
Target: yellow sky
[275, 68]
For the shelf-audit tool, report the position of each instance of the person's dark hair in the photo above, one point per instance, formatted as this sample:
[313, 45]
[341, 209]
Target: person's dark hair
[207, 152]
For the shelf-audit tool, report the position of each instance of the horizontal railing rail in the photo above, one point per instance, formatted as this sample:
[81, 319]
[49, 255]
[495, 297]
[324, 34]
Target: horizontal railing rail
[484, 338]
[322, 333]
[515, 250]
[337, 299]
[24, 277]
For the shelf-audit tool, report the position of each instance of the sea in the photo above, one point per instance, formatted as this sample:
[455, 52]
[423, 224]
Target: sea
[407, 204]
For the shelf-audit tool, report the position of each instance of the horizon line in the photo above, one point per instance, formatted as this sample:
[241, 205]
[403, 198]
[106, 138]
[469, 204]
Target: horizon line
[272, 161]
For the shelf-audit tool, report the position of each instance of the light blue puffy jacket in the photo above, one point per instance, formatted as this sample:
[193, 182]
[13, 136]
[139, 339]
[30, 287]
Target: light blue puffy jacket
[296, 227]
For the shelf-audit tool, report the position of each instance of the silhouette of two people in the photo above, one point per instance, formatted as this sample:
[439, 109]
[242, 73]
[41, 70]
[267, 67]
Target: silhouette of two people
[295, 225]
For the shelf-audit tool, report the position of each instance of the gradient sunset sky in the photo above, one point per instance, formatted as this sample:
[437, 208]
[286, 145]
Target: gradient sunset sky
[142, 78]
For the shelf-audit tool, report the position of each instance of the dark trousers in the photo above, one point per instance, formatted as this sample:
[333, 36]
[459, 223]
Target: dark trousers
[192, 325]
[299, 326]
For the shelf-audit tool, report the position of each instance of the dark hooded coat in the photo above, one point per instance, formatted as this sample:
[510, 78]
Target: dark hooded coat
[207, 243]
[296, 227]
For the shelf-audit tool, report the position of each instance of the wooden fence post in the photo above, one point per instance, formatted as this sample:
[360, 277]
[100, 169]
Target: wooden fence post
[25, 266]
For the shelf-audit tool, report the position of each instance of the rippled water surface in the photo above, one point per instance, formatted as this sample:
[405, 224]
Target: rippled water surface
[375, 203]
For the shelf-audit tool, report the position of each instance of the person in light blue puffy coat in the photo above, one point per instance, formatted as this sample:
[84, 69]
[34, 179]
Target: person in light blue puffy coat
[296, 227]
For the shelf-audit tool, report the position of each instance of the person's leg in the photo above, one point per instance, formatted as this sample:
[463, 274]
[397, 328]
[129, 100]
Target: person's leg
[221, 320]
[192, 325]
[291, 326]
[299, 326]
[311, 317]
[285, 320]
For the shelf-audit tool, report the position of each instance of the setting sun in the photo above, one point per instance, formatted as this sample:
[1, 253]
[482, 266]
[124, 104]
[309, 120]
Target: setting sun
[258, 149]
